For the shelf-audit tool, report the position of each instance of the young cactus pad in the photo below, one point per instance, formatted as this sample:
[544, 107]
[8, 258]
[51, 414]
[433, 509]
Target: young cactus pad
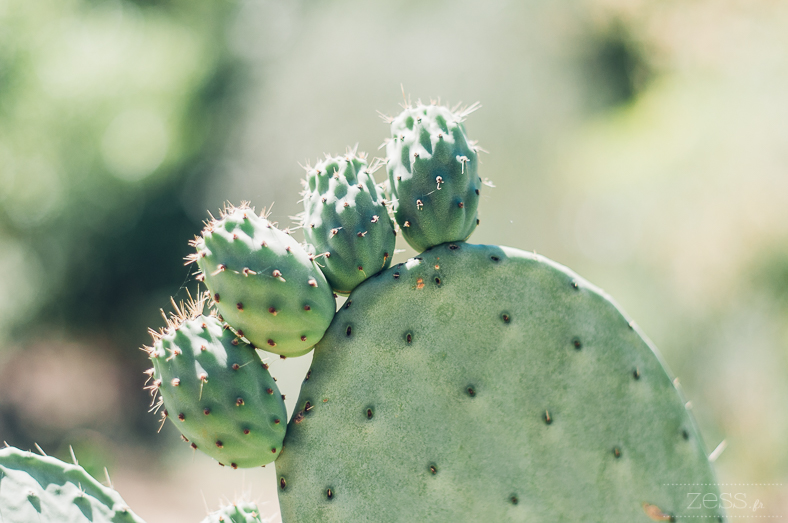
[482, 383]
[43, 489]
[241, 512]
[216, 390]
[432, 170]
[345, 218]
[263, 282]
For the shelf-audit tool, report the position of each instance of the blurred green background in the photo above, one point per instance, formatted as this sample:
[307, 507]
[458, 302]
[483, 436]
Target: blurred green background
[642, 143]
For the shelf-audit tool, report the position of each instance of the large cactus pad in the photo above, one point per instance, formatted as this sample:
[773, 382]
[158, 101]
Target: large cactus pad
[43, 489]
[480, 383]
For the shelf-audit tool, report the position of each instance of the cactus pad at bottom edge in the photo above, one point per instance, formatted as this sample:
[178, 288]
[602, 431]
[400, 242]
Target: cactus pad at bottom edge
[43, 489]
[482, 383]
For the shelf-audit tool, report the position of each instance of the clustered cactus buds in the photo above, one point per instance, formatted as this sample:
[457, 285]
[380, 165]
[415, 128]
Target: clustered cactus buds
[469, 383]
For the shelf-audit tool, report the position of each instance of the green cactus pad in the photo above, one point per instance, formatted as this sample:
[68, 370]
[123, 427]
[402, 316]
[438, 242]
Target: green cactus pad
[345, 218]
[43, 489]
[241, 512]
[217, 391]
[432, 170]
[481, 383]
[263, 282]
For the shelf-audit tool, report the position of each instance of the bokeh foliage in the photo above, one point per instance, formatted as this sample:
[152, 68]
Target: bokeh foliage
[110, 113]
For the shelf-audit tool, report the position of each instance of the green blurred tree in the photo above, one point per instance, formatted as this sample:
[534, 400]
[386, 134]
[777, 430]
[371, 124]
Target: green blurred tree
[110, 113]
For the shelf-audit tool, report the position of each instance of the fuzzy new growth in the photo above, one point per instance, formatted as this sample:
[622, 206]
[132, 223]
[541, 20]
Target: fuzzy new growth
[209, 226]
[182, 311]
[460, 113]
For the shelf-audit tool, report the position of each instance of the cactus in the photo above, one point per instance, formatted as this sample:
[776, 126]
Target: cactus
[46, 490]
[216, 390]
[43, 489]
[470, 383]
[239, 512]
[482, 383]
[346, 220]
[432, 169]
[263, 282]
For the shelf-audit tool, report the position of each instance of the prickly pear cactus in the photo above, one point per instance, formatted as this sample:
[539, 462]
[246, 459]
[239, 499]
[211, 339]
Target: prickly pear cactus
[432, 169]
[43, 489]
[216, 390]
[471, 383]
[345, 220]
[240, 512]
[263, 282]
[483, 383]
